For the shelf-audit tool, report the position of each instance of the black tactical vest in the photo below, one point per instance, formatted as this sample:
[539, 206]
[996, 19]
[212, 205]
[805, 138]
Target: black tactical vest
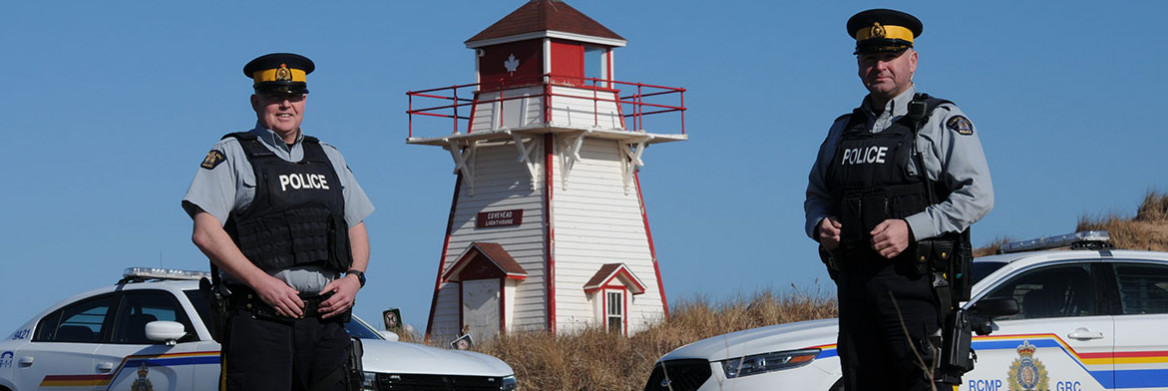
[297, 216]
[870, 177]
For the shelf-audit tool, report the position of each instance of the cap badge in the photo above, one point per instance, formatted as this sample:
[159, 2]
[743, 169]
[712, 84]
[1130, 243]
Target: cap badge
[283, 74]
[877, 31]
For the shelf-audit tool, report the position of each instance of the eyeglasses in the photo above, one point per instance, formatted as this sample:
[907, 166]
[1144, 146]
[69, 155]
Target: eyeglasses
[280, 97]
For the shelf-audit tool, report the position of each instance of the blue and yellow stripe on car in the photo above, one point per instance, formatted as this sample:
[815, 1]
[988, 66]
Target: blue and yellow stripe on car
[91, 381]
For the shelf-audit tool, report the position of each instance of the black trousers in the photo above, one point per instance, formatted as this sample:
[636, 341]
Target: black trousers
[282, 355]
[875, 352]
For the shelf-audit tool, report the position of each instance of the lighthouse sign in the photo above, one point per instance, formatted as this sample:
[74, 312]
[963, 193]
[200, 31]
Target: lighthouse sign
[499, 218]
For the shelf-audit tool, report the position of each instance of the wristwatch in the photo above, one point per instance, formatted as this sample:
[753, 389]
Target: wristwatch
[360, 276]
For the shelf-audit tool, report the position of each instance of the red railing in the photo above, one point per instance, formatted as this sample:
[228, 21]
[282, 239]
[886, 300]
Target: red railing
[456, 103]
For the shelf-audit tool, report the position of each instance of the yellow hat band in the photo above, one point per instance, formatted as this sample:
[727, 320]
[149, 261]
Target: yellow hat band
[279, 74]
[878, 31]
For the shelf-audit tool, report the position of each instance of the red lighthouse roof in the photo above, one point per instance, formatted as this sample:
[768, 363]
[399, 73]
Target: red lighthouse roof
[545, 18]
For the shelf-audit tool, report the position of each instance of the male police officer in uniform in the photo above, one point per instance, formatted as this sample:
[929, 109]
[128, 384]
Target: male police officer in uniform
[281, 214]
[871, 210]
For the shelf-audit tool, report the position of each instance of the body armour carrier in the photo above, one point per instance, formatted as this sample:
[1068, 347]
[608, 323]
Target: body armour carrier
[297, 216]
[870, 177]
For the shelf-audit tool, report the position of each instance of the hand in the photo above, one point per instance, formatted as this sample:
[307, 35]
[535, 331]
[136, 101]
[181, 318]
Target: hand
[344, 292]
[890, 237]
[829, 233]
[276, 293]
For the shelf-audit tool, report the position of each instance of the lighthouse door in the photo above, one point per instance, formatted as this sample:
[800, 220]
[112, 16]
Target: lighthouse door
[480, 308]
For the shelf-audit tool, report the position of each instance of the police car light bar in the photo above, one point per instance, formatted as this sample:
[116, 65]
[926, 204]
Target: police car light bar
[1081, 239]
[147, 273]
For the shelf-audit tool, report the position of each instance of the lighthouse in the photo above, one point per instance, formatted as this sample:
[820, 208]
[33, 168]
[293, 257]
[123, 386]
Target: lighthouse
[547, 228]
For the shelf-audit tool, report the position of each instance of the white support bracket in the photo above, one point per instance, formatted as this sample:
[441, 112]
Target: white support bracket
[570, 148]
[633, 162]
[463, 154]
[526, 150]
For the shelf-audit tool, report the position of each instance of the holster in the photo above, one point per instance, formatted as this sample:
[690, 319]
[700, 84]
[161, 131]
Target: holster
[219, 303]
[949, 259]
[957, 356]
[831, 260]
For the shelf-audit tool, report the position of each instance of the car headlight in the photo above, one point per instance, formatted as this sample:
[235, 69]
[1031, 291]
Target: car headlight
[767, 362]
[509, 383]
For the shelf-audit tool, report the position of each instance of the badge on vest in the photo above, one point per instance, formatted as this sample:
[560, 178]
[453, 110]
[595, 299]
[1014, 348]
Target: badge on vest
[213, 159]
[961, 125]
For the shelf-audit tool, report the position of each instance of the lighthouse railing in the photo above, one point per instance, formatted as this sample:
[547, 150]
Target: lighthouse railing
[451, 103]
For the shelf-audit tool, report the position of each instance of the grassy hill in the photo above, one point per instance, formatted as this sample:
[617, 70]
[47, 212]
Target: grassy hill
[595, 360]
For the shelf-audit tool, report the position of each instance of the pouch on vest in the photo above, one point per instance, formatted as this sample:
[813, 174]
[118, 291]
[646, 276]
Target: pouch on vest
[340, 254]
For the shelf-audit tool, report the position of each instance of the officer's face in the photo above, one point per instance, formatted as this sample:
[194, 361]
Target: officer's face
[282, 113]
[887, 74]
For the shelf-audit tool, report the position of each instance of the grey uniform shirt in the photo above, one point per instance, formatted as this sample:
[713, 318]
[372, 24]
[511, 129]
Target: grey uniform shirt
[227, 183]
[952, 158]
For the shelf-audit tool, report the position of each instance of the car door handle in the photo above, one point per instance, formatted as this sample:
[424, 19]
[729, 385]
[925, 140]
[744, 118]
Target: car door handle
[25, 362]
[1082, 333]
[104, 367]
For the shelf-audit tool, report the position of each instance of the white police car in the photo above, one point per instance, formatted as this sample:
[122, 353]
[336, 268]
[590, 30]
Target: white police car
[149, 332]
[1089, 319]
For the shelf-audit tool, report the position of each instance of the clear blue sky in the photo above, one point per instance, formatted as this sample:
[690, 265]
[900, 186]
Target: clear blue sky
[107, 108]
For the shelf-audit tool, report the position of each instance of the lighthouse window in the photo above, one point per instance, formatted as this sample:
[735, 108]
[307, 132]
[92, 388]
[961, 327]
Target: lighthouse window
[615, 313]
[594, 63]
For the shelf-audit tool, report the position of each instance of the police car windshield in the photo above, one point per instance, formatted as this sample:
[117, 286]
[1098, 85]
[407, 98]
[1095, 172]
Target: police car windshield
[983, 269]
[359, 330]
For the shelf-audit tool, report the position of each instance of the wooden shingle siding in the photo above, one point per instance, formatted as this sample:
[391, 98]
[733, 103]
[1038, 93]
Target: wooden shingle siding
[502, 184]
[584, 108]
[597, 223]
[522, 107]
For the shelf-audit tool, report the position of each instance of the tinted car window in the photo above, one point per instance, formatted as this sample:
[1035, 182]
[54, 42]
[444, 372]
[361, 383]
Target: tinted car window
[200, 302]
[83, 321]
[140, 307]
[1054, 291]
[1143, 289]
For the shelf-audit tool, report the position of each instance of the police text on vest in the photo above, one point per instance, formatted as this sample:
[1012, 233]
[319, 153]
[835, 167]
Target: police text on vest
[864, 155]
[303, 181]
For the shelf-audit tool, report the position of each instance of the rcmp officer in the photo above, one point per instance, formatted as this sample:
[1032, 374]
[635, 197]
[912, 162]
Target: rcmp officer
[898, 177]
[281, 215]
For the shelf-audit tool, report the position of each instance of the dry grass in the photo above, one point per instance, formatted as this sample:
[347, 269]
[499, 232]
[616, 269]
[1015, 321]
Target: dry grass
[1148, 230]
[595, 360]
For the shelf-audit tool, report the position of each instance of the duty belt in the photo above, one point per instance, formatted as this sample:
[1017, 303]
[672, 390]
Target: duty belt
[858, 258]
[246, 299]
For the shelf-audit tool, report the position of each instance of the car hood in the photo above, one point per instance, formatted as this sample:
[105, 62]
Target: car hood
[403, 357]
[789, 336]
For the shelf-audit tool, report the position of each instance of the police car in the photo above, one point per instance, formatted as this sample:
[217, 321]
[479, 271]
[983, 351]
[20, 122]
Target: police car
[150, 332]
[1089, 318]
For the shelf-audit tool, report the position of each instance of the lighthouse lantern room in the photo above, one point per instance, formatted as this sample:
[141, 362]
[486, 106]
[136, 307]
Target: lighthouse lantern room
[547, 228]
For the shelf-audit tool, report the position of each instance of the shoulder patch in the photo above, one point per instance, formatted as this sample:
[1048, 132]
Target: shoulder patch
[961, 125]
[213, 159]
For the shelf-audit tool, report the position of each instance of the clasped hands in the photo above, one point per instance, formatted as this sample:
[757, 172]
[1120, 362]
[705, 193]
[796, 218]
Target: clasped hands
[889, 238]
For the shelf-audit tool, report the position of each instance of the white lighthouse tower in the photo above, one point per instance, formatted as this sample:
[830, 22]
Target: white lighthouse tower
[547, 228]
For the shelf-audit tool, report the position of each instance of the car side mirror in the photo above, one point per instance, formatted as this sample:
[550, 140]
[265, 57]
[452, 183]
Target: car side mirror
[165, 331]
[996, 307]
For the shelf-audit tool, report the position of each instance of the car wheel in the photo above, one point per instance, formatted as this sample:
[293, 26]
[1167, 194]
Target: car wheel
[838, 386]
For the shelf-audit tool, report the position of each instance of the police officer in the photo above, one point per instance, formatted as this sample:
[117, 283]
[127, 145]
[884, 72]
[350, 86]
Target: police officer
[281, 215]
[901, 170]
